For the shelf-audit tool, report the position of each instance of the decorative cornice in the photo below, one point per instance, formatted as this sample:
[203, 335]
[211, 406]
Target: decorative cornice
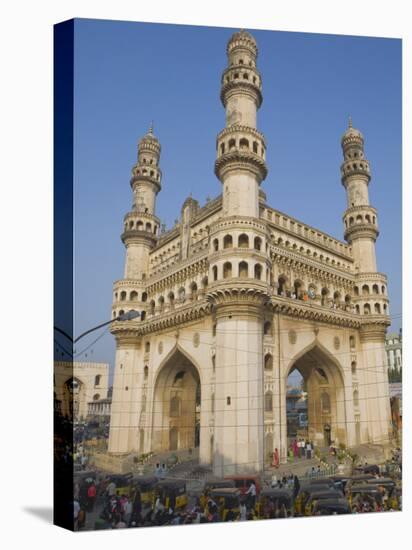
[241, 160]
[312, 312]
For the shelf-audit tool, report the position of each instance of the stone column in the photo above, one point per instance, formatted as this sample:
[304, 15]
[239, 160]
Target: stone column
[376, 383]
[123, 418]
[239, 421]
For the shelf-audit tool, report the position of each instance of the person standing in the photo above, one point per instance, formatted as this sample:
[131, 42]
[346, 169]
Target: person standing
[91, 497]
[296, 487]
[275, 461]
[251, 495]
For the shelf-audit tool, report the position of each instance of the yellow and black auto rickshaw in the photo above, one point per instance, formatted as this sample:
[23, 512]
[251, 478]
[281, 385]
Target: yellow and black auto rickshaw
[145, 485]
[214, 484]
[304, 494]
[364, 492]
[227, 500]
[317, 496]
[271, 501]
[123, 484]
[172, 494]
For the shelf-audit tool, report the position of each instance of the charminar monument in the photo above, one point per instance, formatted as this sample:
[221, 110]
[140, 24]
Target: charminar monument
[238, 295]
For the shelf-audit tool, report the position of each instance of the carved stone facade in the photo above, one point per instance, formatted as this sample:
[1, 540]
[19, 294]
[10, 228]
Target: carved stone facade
[236, 296]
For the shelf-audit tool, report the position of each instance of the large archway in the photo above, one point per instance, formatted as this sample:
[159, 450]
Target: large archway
[176, 405]
[322, 415]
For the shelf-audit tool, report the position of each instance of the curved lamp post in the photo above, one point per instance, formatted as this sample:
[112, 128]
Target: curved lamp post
[128, 316]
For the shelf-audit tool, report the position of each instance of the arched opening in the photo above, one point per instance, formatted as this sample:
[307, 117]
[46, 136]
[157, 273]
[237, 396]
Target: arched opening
[268, 363]
[315, 400]
[161, 303]
[268, 402]
[243, 241]
[182, 294]
[227, 241]
[282, 286]
[297, 290]
[324, 296]
[243, 144]
[353, 368]
[152, 307]
[215, 245]
[377, 309]
[258, 243]
[176, 406]
[123, 295]
[267, 328]
[144, 297]
[375, 289]
[227, 270]
[133, 295]
[258, 271]
[366, 309]
[214, 272]
[365, 290]
[171, 300]
[243, 270]
[193, 290]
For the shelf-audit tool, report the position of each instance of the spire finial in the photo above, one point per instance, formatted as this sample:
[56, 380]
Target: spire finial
[350, 121]
[151, 128]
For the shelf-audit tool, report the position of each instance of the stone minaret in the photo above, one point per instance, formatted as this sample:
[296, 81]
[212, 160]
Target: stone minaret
[370, 290]
[239, 268]
[360, 218]
[241, 149]
[141, 225]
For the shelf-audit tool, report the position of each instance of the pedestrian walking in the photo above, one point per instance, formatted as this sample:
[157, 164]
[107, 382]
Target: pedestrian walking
[275, 461]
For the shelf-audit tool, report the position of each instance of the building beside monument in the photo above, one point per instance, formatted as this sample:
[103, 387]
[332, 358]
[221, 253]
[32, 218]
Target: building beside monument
[393, 344]
[236, 296]
[76, 385]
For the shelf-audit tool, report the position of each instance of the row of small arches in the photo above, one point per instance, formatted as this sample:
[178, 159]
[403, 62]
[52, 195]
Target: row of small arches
[145, 172]
[298, 291]
[242, 271]
[242, 242]
[360, 219]
[366, 290]
[355, 166]
[244, 76]
[243, 145]
[131, 296]
[140, 226]
[287, 244]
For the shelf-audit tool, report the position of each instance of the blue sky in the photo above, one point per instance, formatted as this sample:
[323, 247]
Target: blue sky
[127, 74]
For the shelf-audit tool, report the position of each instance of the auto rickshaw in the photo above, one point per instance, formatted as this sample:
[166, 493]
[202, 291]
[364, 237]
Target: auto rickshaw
[331, 506]
[317, 496]
[272, 499]
[365, 491]
[146, 486]
[368, 469]
[172, 494]
[339, 482]
[214, 484]
[227, 501]
[123, 484]
[305, 492]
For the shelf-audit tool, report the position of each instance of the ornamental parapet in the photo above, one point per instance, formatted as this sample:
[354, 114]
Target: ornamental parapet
[357, 167]
[140, 177]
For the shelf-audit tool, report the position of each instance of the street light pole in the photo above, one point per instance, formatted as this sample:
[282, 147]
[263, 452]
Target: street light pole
[129, 316]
